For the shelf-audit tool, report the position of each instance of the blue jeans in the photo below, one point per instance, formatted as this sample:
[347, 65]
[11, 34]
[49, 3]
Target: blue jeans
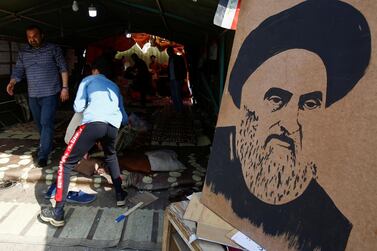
[43, 110]
[176, 94]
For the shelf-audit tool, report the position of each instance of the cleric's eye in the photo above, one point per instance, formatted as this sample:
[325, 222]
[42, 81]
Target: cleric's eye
[275, 102]
[312, 104]
[310, 101]
[276, 98]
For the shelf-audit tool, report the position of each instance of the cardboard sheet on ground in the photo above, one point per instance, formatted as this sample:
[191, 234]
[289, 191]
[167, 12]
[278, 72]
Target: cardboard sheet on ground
[292, 164]
[145, 197]
[210, 227]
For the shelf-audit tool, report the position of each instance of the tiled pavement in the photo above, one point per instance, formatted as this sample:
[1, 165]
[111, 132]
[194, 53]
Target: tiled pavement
[91, 225]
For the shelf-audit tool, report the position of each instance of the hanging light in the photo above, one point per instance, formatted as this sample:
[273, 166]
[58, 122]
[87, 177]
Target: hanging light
[128, 31]
[127, 34]
[75, 6]
[92, 11]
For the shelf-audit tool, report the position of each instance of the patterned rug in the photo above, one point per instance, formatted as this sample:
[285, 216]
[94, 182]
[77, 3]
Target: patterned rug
[28, 130]
[18, 147]
[85, 226]
[20, 131]
[174, 129]
[193, 158]
[17, 163]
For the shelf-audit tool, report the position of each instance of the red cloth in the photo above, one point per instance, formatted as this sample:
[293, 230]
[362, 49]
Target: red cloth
[117, 43]
[141, 38]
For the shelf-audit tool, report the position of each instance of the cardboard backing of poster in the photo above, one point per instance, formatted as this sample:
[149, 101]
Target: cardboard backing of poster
[293, 163]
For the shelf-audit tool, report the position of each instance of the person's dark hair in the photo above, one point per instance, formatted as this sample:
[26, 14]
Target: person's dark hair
[335, 31]
[103, 65]
[134, 56]
[34, 27]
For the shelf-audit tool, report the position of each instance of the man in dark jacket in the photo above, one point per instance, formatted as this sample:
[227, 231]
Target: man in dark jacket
[142, 77]
[177, 74]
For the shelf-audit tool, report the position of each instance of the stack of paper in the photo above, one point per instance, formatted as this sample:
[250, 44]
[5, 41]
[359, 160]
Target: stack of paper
[211, 227]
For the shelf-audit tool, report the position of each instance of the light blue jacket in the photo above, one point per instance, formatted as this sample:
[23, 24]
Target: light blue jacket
[100, 101]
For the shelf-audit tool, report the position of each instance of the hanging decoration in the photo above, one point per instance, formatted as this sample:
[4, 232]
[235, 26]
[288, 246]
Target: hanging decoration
[226, 15]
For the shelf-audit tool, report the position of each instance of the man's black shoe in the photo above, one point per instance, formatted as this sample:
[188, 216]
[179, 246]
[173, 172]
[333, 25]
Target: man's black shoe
[42, 163]
[121, 198]
[49, 215]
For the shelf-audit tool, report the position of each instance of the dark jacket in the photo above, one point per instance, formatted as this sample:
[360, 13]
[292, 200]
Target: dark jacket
[179, 67]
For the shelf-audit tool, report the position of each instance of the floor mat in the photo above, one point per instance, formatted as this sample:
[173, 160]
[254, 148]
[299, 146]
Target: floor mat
[16, 163]
[20, 131]
[29, 130]
[174, 129]
[194, 159]
[85, 226]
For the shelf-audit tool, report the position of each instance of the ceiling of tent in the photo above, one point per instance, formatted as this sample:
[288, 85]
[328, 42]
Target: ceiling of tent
[184, 21]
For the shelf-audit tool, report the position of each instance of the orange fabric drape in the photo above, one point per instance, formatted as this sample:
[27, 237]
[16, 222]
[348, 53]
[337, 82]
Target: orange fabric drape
[141, 38]
[116, 43]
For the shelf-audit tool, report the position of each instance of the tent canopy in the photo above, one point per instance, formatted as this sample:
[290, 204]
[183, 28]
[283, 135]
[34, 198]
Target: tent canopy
[188, 22]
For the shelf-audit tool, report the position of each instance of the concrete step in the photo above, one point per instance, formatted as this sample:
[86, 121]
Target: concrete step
[89, 225]
[85, 226]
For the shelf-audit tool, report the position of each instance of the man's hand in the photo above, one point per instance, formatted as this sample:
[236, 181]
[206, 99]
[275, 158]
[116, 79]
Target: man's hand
[64, 94]
[10, 87]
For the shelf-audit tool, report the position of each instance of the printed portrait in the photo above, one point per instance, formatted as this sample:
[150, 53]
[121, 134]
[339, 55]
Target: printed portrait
[288, 71]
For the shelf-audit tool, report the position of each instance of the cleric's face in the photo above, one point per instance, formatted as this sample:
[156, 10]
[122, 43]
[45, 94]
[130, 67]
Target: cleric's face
[278, 102]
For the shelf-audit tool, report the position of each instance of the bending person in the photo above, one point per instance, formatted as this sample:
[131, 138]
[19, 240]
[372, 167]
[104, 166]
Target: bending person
[103, 112]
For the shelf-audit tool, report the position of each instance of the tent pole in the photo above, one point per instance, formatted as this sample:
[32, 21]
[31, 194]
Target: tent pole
[222, 67]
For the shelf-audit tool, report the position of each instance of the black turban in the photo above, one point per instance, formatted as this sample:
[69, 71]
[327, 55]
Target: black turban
[335, 31]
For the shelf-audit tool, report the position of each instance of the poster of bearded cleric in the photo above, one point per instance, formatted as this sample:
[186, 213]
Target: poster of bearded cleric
[293, 164]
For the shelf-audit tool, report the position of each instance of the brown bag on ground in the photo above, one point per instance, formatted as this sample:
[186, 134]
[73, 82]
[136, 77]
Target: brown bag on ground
[134, 162]
[88, 167]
